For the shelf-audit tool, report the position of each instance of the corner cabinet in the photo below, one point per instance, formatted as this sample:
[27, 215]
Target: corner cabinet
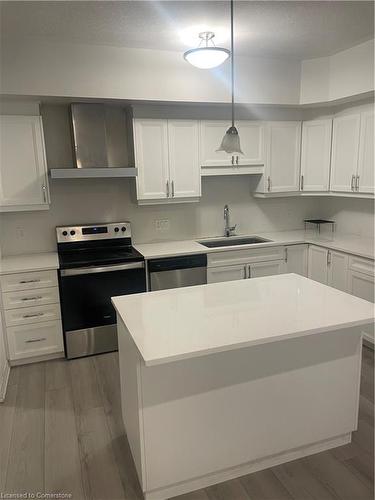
[328, 267]
[167, 158]
[282, 167]
[215, 162]
[316, 155]
[23, 167]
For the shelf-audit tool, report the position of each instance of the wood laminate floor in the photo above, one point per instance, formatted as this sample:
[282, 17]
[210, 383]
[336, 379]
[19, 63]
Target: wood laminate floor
[61, 432]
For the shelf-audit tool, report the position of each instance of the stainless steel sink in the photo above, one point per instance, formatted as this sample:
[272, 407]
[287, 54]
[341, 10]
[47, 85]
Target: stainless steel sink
[233, 241]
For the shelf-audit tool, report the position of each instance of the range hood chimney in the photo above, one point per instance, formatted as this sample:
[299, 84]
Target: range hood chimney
[103, 142]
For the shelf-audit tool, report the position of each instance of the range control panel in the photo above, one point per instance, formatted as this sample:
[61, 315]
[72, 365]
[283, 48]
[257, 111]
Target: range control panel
[66, 234]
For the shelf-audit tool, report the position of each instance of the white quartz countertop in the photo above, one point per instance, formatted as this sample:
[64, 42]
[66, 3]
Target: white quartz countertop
[30, 262]
[182, 323]
[363, 247]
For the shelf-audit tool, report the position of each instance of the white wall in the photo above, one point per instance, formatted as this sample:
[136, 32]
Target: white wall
[104, 200]
[347, 73]
[78, 70]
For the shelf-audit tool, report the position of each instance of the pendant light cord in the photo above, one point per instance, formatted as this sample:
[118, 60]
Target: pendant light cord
[232, 57]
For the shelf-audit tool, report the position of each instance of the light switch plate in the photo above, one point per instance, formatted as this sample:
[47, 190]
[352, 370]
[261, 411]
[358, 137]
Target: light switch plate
[162, 225]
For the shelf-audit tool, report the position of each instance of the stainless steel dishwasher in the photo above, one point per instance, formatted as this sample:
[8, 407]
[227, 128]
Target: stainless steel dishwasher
[176, 272]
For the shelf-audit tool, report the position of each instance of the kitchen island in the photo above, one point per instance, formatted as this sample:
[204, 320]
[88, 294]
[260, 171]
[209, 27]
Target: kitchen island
[221, 380]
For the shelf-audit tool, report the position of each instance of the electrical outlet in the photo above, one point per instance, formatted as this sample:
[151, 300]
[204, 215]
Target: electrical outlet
[162, 225]
[20, 232]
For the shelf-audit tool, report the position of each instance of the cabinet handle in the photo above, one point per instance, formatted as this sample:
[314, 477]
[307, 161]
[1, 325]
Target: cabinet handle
[35, 340]
[353, 182]
[286, 255]
[167, 189]
[357, 183]
[329, 257]
[244, 272]
[302, 181]
[268, 183]
[172, 189]
[236, 160]
[44, 190]
[232, 160]
[34, 315]
[30, 281]
[249, 273]
[37, 297]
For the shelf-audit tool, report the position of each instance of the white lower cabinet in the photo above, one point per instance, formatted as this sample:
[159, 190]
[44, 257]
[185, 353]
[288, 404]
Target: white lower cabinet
[259, 269]
[296, 259]
[361, 283]
[32, 317]
[4, 366]
[226, 273]
[328, 267]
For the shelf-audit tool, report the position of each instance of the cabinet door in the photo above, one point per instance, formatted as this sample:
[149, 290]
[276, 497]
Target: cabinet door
[184, 168]
[345, 146]
[283, 159]
[252, 143]
[296, 259]
[4, 369]
[151, 151]
[366, 154]
[23, 170]
[337, 270]
[259, 269]
[362, 285]
[317, 264]
[226, 273]
[316, 155]
[211, 135]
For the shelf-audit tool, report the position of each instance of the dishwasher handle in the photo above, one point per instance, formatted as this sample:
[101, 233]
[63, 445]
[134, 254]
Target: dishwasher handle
[180, 262]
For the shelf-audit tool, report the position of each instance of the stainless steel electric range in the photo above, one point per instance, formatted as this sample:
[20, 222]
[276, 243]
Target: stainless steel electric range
[97, 262]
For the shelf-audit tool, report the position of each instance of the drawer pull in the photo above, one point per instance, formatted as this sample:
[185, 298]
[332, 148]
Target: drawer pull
[30, 281]
[35, 340]
[34, 315]
[37, 297]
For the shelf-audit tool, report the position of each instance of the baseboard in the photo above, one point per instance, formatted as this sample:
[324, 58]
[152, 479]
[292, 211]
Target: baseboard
[4, 382]
[248, 468]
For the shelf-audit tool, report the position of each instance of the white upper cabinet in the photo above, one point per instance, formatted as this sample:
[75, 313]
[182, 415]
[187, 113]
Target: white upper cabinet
[167, 157]
[316, 155]
[345, 147]
[252, 144]
[365, 178]
[283, 158]
[23, 168]
[183, 140]
[151, 155]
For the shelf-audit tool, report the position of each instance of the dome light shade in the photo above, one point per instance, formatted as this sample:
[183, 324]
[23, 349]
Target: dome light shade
[208, 56]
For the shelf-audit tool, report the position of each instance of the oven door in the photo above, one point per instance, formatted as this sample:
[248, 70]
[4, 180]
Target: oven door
[89, 319]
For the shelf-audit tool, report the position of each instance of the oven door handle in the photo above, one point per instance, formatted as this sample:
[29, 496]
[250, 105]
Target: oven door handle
[103, 269]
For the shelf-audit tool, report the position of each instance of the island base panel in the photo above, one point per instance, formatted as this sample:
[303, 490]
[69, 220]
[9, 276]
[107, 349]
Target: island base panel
[200, 421]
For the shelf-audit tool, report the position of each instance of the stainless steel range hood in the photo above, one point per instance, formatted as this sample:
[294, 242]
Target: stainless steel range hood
[103, 142]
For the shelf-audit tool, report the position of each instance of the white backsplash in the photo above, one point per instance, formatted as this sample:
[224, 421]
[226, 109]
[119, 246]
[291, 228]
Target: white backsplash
[104, 200]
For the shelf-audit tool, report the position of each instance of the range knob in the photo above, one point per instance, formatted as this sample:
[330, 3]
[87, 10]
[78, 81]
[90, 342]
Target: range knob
[117, 229]
[65, 233]
[72, 232]
[123, 229]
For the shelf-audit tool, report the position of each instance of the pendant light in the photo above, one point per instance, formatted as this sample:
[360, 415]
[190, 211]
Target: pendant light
[231, 140]
[208, 56]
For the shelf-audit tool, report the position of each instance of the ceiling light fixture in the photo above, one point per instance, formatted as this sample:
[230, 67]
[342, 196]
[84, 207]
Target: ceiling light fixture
[208, 56]
[231, 140]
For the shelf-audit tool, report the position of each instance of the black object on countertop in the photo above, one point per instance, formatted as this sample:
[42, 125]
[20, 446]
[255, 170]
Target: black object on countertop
[320, 221]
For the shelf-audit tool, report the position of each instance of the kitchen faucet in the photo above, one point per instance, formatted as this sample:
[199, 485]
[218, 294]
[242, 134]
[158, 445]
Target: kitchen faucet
[228, 229]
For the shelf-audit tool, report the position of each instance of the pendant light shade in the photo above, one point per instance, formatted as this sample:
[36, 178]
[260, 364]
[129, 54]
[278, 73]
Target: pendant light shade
[231, 140]
[208, 56]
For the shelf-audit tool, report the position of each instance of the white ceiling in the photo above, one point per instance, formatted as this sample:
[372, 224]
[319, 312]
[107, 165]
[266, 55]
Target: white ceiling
[299, 30]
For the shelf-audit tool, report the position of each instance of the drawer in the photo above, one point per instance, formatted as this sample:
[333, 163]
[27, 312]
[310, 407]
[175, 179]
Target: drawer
[232, 257]
[28, 281]
[362, 265]
[35, 340]
[29, 315]
[27, 298]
